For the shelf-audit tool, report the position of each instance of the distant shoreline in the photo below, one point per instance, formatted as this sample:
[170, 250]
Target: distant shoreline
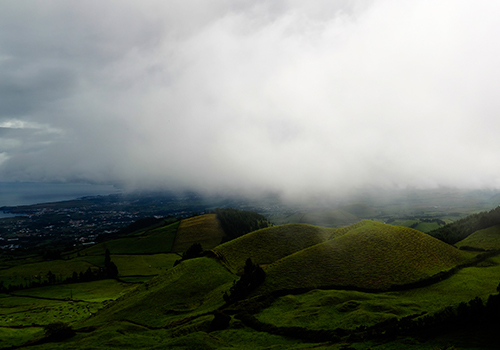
[14, 194]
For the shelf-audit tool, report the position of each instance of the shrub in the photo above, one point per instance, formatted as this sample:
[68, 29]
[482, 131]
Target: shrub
[58, 331]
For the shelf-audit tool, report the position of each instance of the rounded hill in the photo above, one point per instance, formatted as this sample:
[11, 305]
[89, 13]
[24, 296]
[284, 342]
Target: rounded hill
[487, 239]
[268, 245]
[203, 229]
[371, 255]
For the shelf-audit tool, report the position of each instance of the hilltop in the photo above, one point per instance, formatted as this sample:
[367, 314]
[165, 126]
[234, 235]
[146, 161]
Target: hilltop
[370, 255]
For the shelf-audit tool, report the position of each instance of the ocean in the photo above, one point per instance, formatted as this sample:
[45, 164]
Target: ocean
[27, 193]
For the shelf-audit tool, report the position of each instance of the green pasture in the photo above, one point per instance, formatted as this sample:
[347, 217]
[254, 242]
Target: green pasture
[330, 309]
[96, 291]
[370, 256]
[203, 229]
[156, 241]
[13, 337]
[487, 239]
[270, 244]
[23, 274]
[146, 265]
[192, 287]
[28, 310]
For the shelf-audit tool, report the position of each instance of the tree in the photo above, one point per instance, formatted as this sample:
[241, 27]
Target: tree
[58, 331]
[253, 276]
[107, 258]
[51, 277]
[194, 251]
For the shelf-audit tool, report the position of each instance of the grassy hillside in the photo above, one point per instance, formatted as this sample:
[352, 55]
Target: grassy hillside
[461, 229]
[371, 256]
[176, 308]
[487, 239]
[203, 229]
[328, 309]
[192, 287]
[159, 240]
[270, 244]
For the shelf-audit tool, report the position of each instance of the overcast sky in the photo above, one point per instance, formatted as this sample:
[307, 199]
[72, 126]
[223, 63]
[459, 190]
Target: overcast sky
[225, 95]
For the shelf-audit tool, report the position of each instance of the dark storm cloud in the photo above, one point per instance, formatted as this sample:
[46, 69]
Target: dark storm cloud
[289, 96]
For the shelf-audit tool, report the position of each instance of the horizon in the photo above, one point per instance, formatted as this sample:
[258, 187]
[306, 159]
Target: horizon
[248, 98]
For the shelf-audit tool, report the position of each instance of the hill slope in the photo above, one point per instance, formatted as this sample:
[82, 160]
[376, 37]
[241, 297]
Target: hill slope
[270, 244]
[194, 286]
[487, 239]
[203, 229]
[370, 256]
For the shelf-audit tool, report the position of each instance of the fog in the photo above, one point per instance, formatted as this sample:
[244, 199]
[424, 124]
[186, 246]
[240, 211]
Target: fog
[298, 98]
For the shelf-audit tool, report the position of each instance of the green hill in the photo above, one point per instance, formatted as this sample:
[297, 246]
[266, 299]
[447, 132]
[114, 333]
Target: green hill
[370, 256]
[159, 240]
[487, 239]
[270, 244]
[203, 229]
[193, 287]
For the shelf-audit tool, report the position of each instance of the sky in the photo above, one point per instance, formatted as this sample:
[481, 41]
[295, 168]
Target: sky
[249, 96]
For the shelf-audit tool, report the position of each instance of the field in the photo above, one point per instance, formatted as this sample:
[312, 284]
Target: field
[204, 229]
[156, 241]
[487, 239]
[329, 309]
[193, 287]
[33, 272]
[24, 313]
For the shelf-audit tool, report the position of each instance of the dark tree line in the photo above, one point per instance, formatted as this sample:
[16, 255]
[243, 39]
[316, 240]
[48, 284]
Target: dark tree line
[194, 251]
[460, 229]
[253, 276]
[236, 223]
[110, 270]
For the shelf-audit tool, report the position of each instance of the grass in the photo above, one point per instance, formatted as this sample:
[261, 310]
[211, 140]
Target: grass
[487, 239]
[203, 229]
[371, 256]
[192, 287]
[12, 337]
[427, 226]
[156, 241]
[270, 244]
[23, 274]
[329, 309]
[97, 291]
[173, 309]
[146, 265]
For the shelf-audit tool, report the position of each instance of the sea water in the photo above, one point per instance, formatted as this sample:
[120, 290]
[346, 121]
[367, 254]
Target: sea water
[27, 193]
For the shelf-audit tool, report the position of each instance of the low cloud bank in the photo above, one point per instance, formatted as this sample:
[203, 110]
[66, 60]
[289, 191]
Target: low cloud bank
[291, 97]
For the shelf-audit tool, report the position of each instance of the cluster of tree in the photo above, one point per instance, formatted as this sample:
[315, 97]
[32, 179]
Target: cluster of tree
[109, 271]
[51, 254]
[460, 229]
[194, 251]
[437, 221]
[253, 276]
[236, 223]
